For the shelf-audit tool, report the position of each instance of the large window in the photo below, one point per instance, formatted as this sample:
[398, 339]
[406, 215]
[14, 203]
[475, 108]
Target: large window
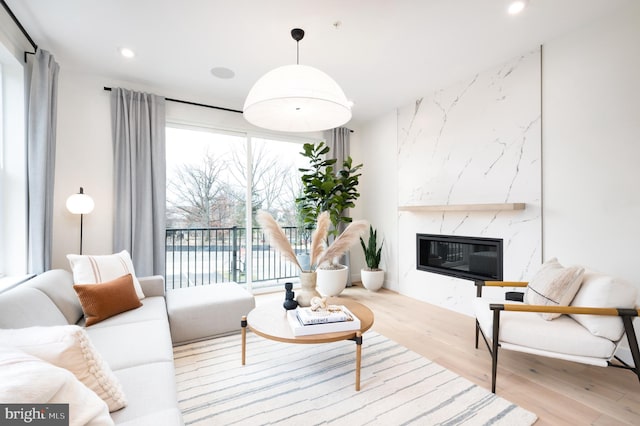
[13, 170]
[216, 181]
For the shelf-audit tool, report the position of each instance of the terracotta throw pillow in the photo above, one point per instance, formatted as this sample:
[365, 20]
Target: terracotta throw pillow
[102, 301]
[553, 285]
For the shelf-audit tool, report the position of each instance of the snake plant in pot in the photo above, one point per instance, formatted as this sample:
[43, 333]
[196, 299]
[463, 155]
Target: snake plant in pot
[372, 276]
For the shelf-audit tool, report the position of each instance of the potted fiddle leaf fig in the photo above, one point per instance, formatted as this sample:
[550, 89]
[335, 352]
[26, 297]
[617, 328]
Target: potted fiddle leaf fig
[331, 188]
[372, 276]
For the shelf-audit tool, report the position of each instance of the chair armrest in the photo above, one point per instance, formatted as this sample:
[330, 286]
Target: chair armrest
[505, 283]
[565, 309]
[481, 284]
[152, 286]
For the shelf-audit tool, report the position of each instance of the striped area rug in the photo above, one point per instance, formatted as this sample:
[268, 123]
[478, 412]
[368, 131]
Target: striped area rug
[314, 384]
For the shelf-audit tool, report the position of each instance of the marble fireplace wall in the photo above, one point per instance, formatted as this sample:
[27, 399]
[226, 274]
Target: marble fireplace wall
[477, 142]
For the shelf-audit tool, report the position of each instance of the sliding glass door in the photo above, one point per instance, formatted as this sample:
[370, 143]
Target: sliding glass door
[216, 181]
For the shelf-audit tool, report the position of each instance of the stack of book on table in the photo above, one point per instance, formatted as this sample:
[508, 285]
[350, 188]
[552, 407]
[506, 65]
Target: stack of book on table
[335, 318]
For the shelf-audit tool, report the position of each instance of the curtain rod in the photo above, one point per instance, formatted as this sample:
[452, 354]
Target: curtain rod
[108, 89]
[24, 32]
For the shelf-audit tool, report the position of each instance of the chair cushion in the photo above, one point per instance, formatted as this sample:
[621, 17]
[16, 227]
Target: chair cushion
[102, 301]
[603, 291]
[553, 285]
[528, 329]
[98, 269]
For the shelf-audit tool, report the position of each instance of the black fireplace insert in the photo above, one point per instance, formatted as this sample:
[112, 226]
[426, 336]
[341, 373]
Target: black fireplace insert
[472, 258]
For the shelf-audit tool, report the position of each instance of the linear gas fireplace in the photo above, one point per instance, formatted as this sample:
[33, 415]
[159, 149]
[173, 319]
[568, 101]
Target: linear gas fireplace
[470, 258]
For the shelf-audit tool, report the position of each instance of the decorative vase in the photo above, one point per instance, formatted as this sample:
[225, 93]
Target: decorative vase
[372, 280]
[307, 288]
[331, 282]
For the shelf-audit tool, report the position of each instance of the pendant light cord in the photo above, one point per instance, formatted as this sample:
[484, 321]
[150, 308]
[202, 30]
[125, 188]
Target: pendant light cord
[297, 34]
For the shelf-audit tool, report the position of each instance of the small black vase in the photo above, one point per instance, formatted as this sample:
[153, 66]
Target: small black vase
[289, 303]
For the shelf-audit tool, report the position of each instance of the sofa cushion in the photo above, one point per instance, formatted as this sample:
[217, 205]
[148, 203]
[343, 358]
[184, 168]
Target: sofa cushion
[207, 310]
[603, 291]
[26, 307]
[102, 301]
[133, 344]
[553, 285]
[152, 390]
[98, 269]
[58, 285]
[530, 330]
[27, 379]
[69, 347]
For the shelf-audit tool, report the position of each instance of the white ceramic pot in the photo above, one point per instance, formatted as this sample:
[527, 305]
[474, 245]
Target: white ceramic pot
[331, 282]
[372, 280]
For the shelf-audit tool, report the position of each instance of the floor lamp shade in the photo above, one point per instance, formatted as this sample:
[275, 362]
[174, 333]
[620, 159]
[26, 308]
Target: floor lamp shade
[296, 98]
[80, 203]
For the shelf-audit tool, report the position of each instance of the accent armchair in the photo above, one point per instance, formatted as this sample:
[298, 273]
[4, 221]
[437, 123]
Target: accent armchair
[588, 330]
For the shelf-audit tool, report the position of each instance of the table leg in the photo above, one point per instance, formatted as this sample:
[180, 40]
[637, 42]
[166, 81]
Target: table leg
[243, 325]
[358, 358]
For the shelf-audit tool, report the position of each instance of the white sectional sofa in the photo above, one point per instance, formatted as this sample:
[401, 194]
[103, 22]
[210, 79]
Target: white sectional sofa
[135, 344]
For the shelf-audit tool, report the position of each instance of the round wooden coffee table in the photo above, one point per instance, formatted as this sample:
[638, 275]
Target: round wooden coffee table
[270, 322]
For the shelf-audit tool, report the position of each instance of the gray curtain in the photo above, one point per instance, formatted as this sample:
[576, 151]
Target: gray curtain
[138, 127]
[41, 153]
[338, 141]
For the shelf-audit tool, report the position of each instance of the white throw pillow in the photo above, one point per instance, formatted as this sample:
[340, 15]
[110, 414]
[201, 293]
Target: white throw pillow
[553, 285]
[69, 347]
[26, 379]
[604, 291]
[100, 269]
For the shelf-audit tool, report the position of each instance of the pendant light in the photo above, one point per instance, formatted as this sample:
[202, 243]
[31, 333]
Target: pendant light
[296, 98]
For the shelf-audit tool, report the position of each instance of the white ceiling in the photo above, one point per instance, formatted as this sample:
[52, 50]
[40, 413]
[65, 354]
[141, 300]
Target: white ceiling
[384, 53]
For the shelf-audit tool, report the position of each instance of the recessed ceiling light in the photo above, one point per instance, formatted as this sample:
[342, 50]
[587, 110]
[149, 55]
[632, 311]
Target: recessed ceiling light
[516, 7]
[222, 72]
[127, 53]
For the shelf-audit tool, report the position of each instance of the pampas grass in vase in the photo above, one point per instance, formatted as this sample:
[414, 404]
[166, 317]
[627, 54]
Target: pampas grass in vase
[319, 255]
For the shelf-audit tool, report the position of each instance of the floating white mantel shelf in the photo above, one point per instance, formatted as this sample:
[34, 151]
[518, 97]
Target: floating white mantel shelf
[463, 207]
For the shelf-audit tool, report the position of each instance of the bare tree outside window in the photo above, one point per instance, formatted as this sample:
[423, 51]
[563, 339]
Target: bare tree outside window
[198, 194]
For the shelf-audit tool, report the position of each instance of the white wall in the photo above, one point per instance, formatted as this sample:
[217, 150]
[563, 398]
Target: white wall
[375, 147]
[591, 148]
[591, 145]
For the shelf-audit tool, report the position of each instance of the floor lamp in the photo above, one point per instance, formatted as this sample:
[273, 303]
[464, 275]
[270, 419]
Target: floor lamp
[81, 204]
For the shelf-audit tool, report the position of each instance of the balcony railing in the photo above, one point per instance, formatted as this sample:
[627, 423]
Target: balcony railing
[196, 256]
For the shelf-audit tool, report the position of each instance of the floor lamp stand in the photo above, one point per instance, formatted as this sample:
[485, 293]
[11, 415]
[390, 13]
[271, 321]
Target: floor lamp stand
[81, 215]
[81, 204]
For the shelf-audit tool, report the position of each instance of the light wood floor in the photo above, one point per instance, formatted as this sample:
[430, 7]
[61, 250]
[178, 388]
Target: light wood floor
[558, 392]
